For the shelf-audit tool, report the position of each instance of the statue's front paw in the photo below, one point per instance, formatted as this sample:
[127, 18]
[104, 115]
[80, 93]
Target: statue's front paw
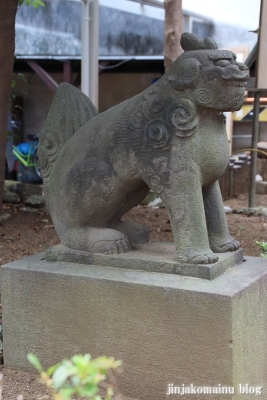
[197, 258]
[230, 245]
[112, 246]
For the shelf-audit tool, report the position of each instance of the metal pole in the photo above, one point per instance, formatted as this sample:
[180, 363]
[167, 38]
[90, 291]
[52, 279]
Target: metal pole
[85, 62]
[93, 48]
[254, 143]
[89, 63]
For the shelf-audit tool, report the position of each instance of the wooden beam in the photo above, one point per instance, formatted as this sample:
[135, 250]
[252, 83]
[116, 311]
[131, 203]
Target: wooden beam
[172, 31]
[49, 81]
[67, 72]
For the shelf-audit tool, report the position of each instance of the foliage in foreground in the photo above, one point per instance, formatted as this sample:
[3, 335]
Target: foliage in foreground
[35, 3]
[80, 376]
[263, 248]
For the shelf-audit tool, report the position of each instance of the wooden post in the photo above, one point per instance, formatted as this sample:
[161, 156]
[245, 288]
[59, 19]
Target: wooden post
[67, 71]
[172, 31]
[8, 11]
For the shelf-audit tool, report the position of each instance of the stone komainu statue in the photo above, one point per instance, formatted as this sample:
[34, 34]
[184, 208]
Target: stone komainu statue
[170, 138]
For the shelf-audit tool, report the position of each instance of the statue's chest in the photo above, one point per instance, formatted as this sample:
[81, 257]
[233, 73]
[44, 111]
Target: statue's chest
[213, 153]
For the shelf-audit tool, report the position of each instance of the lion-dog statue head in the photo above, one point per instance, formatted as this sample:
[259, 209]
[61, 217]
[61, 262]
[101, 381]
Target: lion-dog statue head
[214, 77]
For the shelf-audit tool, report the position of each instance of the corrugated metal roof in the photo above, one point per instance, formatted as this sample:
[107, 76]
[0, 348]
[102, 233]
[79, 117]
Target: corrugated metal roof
[54, 31]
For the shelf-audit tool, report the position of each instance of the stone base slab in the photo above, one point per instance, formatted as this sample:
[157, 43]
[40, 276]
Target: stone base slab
[152, 257]
[167, 329]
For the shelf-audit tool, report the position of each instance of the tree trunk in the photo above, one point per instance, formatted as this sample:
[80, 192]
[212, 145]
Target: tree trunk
[8, 10]
[172, 31]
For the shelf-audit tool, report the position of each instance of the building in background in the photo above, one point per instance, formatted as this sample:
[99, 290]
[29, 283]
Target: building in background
[131, 39]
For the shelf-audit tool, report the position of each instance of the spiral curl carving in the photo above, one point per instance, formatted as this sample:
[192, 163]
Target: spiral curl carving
[157, 104]
[47, 153]
[153, 180]
[202, 96]
[184, 118]
[157, 135]
[237, 102]
[137, 118]
[154, 106]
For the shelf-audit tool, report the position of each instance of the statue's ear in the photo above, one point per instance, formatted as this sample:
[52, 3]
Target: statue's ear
[186, 74]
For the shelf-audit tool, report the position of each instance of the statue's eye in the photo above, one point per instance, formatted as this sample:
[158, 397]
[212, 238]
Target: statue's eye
[222, 63]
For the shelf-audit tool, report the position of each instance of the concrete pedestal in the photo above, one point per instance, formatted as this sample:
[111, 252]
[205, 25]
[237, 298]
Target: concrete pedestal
[167, 329]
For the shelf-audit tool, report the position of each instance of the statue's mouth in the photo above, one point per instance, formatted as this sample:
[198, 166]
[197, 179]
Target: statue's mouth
[228, 78]
[232, 78]
[235, 82]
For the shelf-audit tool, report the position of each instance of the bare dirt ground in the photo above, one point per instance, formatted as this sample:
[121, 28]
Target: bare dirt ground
[27, 233]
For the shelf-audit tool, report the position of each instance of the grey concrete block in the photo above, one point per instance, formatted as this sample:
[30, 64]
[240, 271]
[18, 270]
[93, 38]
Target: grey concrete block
[261, 187]
[35, 201]
[24, 189]
[10, 197]
[166, 328]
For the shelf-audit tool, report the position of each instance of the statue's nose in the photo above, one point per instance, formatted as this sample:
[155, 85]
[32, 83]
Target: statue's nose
[242, 66]
[236, 71]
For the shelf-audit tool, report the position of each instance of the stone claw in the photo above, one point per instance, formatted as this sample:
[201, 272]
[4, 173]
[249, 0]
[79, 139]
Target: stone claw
[198, 258]
[231, 245]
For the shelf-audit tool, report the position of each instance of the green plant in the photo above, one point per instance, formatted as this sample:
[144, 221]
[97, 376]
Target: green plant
[7, 44]
[35, 3]
[80, 376]
[263, 248]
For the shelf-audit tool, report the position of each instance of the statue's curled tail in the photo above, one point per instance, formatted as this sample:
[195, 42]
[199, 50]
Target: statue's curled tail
[70, 110]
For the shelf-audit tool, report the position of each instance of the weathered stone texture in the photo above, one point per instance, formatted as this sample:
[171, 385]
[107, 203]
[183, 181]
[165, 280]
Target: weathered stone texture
[165, 328]
[170, 138]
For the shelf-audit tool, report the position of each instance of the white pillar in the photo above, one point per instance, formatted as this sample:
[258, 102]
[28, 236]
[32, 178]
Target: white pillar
[262, 51]
[93, 46]
[89, 62]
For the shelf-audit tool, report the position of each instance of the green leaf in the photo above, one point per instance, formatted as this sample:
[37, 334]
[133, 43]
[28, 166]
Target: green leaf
[61, 374]
[109, 394]
[51, 369]
[78, 360]
[35, 362]
[35, 3]
[22, 76]
[66, 393]
[25, 94]
[88, 390]
[13, 83]
[75, 380]
[17, 106]
[9, 136]
[263, 247]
